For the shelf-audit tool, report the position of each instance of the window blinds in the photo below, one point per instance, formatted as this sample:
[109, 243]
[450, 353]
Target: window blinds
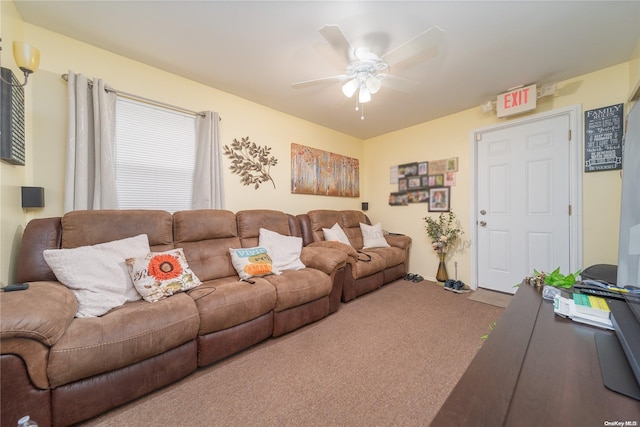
[155, 153]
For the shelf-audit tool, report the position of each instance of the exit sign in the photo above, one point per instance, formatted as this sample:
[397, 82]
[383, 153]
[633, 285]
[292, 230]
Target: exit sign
[517, 101]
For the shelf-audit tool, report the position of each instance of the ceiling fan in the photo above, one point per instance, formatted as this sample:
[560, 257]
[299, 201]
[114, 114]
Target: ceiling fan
[365, 71]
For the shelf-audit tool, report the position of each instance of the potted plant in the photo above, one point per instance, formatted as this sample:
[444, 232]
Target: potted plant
[443, 233]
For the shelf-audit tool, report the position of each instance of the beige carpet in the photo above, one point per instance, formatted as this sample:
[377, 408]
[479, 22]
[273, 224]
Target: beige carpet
[487, 296]
[389, 358]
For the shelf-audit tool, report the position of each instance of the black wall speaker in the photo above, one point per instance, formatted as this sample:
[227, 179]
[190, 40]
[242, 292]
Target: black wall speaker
[32, 197]
[365, 206]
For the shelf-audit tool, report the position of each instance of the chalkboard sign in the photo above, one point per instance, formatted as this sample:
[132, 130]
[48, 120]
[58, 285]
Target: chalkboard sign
[603, 138]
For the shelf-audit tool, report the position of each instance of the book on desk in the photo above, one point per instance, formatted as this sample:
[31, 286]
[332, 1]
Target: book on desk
[580, 310]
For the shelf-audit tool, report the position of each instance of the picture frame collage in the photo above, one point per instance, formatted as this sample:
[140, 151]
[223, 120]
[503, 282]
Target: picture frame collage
[424, 182]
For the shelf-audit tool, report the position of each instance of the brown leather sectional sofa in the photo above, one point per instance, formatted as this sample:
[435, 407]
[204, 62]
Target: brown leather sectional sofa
[362, 274]
[61, 370]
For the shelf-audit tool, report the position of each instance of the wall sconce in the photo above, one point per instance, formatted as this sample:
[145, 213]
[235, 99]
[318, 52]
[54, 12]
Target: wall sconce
[32, 197]
[27, 59]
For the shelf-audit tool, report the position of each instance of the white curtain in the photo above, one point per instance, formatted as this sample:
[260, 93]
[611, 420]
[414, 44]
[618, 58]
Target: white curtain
[90, 169]
[208, 188]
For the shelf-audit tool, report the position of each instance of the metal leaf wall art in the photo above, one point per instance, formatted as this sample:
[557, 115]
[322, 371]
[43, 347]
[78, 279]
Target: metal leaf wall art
[251, 162]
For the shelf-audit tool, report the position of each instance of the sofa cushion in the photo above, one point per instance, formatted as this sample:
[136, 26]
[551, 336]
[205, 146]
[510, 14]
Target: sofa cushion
[361, 268]
[392, 256]
[126, 335]
[251, 221]
[161, 274]
[84, 228]
[252, 262]
[284, 250]
[373, 236]
[98, 275]
[206, 236]
[297, 287]
[323, 218]
[226, 302]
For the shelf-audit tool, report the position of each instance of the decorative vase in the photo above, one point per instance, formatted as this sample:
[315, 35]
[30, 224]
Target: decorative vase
[441, 275]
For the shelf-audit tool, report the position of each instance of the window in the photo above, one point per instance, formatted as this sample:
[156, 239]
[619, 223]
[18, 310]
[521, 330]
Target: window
[155, 153]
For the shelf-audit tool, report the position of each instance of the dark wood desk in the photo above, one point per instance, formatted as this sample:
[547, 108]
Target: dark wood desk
[536, 369]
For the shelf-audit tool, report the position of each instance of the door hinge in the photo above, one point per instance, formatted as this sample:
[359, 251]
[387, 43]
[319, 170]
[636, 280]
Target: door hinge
[569, 134]
[478, 137]
[569, 210]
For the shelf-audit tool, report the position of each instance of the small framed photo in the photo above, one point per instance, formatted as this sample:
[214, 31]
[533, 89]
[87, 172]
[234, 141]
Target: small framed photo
[450, 179]
[439, 180]
[402, 184]
[424, 181]
[398, 199]
[452, 165]
[414, 182]
[423, 168]
[408, 169]
[418, 196]
[439, 199]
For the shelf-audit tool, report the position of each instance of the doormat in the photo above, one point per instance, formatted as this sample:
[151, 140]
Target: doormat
[486, 296]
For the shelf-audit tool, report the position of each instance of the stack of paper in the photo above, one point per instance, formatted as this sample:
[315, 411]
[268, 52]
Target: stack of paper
[566, 307]
[591, 305]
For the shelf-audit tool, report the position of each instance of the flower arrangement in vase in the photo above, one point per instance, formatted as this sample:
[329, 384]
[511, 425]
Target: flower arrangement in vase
[443, 233]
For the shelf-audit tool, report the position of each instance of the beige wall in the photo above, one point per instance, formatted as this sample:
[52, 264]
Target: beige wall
[450, 137]
[442, 138]
[634, 73]
[240, 118]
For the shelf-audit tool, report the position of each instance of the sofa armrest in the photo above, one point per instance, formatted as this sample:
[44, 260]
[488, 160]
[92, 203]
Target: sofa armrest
[325, 259]
[398, 241]
[42, 312]
[349, 250]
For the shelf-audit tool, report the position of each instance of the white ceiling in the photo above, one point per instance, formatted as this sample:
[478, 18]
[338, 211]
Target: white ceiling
[257, 49]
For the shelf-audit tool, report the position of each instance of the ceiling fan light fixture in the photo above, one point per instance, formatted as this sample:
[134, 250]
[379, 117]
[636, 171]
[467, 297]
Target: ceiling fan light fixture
[364, 95]
[350, 87]
[373, 84]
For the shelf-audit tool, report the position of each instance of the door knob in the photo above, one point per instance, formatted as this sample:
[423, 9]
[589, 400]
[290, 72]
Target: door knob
[483, 212]
[483, 223]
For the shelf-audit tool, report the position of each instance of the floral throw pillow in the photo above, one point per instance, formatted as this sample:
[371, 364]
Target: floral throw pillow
[161, 274]
[250, 262]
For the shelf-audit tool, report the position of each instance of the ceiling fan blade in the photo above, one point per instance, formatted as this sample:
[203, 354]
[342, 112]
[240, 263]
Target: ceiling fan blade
[336, 38]
[423, 41]
[339, 78]
[399, 84]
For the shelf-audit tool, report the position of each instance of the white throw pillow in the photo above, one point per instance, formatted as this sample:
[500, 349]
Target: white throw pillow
[373, 236]
[98, 275]
[335, 233]
[284, 250]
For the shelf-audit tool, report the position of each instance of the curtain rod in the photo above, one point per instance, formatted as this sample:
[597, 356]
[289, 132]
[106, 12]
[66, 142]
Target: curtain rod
[65, 77]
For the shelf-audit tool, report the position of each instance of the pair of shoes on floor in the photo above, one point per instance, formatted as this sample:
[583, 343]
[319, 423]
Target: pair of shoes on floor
[415, 278]
[456, 285]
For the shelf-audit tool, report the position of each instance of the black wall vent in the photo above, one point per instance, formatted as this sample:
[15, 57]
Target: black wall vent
[12, 131]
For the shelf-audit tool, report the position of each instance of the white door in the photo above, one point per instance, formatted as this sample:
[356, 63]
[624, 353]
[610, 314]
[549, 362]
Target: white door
[523, 199]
